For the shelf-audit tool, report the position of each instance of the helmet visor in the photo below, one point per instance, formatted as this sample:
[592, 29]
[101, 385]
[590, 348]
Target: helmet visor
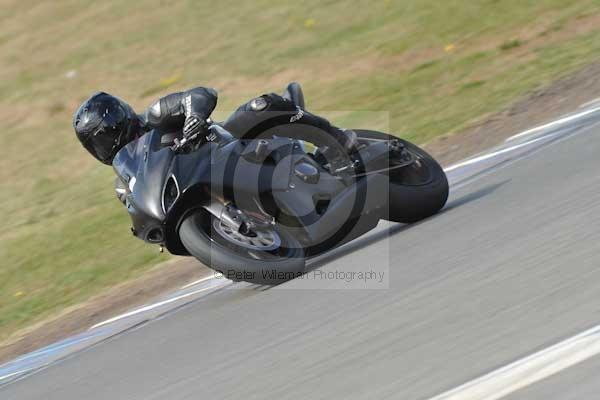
[103, 143]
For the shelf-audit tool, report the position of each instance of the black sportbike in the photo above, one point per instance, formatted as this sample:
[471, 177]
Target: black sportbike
[256, 209]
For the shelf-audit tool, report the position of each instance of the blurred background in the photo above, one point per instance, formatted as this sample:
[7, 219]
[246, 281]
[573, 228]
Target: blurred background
[437, 67]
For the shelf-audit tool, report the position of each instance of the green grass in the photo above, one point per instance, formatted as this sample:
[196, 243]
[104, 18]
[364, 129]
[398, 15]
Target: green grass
[434, 67]
[511, 44]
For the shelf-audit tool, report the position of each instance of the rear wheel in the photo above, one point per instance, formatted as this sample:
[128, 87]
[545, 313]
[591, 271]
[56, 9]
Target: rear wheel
[416, 191]
[264, 256]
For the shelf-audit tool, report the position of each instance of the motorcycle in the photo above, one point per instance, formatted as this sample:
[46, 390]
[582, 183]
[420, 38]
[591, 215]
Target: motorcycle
[256, 209]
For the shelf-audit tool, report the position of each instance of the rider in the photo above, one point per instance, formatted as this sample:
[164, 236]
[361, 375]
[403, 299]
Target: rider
[104, 123]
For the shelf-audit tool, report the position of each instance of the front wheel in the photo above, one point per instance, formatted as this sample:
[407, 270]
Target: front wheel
[264, 257]
[416, 191]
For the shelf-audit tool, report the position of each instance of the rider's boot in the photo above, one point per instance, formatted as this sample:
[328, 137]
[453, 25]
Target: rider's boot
[338, 157]
[349, 140]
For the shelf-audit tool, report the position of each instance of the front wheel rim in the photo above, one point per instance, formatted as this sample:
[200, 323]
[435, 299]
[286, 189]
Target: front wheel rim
[260, 240]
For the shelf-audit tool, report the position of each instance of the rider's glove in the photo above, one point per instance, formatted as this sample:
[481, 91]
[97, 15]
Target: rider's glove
[194, 123]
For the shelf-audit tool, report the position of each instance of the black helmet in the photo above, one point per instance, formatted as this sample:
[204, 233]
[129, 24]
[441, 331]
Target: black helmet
[104, 124]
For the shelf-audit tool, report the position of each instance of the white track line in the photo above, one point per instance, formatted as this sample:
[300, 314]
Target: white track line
[13, 374]
[529, 370]
[524, 133]
[150, 307]
[494, 154]
[206, 278]
[560, 121]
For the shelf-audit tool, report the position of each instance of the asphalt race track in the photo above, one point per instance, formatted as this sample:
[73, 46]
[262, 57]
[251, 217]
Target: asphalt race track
[509, 268]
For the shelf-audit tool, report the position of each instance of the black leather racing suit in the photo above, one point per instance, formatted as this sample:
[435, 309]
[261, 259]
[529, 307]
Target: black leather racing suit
[257, 117]
[169, 113]
[274, 113]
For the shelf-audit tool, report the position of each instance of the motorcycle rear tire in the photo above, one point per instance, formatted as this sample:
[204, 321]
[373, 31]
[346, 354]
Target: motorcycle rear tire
[409, 203]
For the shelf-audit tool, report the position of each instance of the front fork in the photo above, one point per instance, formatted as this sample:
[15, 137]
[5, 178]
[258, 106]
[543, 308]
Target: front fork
[236, 219]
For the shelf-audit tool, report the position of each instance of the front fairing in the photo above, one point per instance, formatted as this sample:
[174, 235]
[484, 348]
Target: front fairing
[143, 166]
